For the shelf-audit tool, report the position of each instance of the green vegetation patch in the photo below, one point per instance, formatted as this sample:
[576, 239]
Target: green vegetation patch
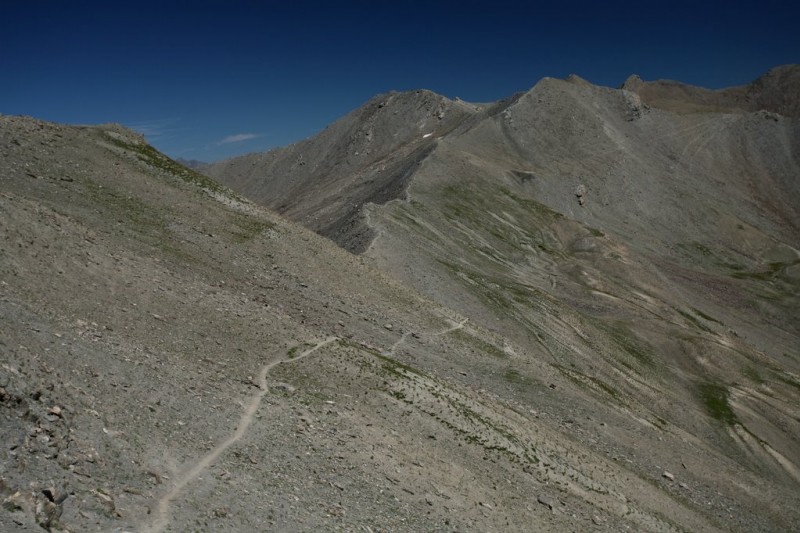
[500, 293]
[700, 251]
[631, 345]
[152, 157]
[705, 316]
[393, 366]
[149, 223]
[772, 271]
[512, 375]
[490, 294]
[479, 344]
[469, 203]
[697, 248]
[788, 380]
[143, 217]
[715, 400]
[591, 382]
[249, 227]
[533, 206]
[694, 321]
[752, 372]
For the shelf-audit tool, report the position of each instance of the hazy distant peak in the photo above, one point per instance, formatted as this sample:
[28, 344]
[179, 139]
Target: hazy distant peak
[191, 163]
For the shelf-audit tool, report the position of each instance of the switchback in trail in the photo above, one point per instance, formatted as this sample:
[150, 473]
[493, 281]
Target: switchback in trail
[162, 516]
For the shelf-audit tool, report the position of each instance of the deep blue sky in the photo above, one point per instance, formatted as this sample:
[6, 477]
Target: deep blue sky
[192, 75]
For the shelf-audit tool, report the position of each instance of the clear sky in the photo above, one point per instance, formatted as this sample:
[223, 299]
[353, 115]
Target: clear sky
[211, 79]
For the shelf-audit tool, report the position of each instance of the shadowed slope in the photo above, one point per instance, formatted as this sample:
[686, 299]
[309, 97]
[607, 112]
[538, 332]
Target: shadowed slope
[367, 156]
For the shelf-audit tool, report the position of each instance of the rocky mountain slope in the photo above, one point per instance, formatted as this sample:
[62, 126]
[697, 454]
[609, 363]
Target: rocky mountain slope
[634, 257]
[775, 91]
[367, 156]
[176, 358]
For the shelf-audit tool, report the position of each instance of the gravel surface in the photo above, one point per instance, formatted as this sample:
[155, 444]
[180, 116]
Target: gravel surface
[574, 312]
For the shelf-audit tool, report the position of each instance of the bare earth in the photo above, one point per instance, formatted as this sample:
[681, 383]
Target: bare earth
[574, 310]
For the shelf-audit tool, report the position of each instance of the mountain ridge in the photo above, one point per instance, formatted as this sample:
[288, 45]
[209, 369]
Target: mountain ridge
[247, 172]
[572, 311]
[350, 157]
[769, 92]
[650, 254]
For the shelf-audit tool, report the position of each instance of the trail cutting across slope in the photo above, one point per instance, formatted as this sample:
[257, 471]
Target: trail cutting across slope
[404, 336]
[162, 516]
[456, 326]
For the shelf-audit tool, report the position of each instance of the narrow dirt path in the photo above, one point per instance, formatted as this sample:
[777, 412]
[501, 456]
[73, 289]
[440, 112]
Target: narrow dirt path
[456, 325]
[402, 339]
[162, 515]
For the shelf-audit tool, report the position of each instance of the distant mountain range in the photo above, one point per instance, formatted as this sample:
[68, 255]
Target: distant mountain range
[191, 163]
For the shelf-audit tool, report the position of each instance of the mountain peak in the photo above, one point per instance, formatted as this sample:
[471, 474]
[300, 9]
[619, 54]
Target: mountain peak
[632, 83]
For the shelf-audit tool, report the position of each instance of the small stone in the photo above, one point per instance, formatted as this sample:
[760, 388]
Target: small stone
[669, 476]
[388, 326]
[13, 502]
[55, 410]
[580, 193]
[597, 520]
[47, 514]
[547, 501]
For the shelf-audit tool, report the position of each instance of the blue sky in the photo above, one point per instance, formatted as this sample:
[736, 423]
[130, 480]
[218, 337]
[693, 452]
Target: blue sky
[212, 79]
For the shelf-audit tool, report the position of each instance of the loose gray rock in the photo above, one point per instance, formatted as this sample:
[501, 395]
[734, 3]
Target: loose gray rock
[547, 501]
[580, 193]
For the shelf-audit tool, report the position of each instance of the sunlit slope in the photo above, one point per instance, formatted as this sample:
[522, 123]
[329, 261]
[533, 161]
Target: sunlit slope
[650, 258]
[174, 358]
